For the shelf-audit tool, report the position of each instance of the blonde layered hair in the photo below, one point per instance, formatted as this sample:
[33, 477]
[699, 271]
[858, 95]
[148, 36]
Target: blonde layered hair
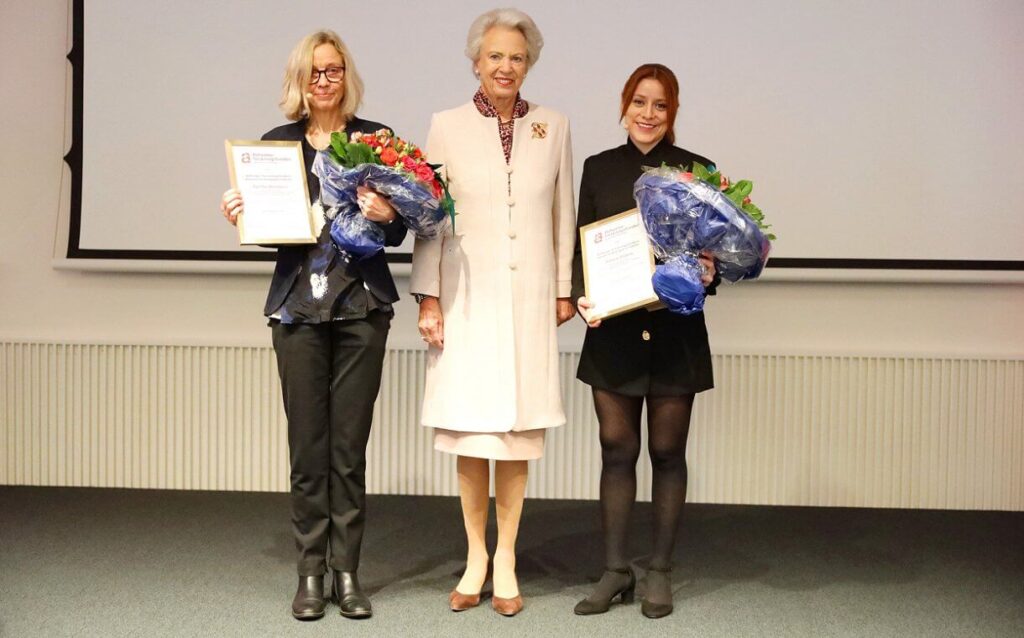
[297, 74]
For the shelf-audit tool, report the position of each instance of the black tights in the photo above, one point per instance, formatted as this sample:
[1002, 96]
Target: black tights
[668, 423]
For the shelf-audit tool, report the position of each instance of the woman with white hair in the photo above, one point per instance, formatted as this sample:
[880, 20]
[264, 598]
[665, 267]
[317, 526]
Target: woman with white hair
[492, 293]
[329, 318]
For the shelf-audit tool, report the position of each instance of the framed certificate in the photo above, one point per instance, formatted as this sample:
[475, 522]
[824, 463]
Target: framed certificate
[617, 265]
[272, 179]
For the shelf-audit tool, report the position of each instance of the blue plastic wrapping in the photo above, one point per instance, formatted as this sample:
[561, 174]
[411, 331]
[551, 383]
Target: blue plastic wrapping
[354, 234]
[412, 199]
[677, 284]
[688, 217]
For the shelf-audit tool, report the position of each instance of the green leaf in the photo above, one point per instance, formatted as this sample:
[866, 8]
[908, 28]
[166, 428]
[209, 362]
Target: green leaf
[742, 188]
[337, 149]
[360, 153]
[736, 192]
[755, 213]
[700, 172]
[447, 203]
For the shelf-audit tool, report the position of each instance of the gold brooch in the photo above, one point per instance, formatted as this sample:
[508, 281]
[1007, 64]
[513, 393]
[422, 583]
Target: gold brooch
[540, 130]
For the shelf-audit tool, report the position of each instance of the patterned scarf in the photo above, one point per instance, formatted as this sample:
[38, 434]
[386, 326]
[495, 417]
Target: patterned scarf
[505, 129]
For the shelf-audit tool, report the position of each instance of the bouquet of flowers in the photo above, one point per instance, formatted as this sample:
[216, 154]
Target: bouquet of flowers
[689, 212]
[394, 168]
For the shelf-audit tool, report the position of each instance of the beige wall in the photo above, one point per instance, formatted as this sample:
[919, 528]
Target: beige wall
[41, 303]
[905, 430]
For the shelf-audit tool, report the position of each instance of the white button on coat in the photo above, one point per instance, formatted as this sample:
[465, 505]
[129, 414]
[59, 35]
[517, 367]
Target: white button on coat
[498, 370]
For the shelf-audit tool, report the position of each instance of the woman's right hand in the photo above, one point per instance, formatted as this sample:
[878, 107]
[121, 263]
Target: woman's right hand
[584, 306]
[431, 323]
[231, 205]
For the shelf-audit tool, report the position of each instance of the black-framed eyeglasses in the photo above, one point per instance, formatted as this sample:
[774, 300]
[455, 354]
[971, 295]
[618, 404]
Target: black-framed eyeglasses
[333, 74]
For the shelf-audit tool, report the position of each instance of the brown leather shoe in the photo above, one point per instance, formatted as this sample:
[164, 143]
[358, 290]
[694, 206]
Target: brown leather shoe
[507, 606]
[457, 601]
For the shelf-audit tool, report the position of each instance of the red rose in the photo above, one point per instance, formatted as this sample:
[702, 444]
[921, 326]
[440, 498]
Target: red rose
[686, 177]
[417, 154]
[409, 164]
[389, 157]
[436, 186]
[424, 173]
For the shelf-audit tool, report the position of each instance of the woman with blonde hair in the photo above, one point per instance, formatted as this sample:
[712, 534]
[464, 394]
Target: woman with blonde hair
[329, 317]
[492, 293]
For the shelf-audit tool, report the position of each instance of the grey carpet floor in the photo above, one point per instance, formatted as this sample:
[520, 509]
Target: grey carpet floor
[100, 562]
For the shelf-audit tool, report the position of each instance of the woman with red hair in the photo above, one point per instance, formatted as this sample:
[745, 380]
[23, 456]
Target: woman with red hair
[657, 357]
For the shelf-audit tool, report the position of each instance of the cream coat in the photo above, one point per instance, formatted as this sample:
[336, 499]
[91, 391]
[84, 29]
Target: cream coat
[498, 277]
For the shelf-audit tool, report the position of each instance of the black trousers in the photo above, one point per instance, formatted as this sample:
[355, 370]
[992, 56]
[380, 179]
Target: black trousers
[330, 376]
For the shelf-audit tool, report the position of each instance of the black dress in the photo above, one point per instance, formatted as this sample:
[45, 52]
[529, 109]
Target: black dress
[639, 353]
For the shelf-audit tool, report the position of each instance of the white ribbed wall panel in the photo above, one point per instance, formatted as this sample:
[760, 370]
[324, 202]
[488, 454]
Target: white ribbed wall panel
[142, 416]
[795, 430]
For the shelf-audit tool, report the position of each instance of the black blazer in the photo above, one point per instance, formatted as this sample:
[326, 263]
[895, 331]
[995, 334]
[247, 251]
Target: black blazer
[374, 271]
[639, 353]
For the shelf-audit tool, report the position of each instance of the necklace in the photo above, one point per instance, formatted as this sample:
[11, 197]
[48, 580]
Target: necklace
[319, 137]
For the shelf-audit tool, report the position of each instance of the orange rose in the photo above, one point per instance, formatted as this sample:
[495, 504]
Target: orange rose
[389, 156]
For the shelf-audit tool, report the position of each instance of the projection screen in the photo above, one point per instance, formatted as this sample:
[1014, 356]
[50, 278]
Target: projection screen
[879, 135]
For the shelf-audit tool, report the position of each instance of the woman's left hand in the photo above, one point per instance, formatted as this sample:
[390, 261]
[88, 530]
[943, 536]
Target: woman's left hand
[564, 310]
[708, 275]
[374, 207]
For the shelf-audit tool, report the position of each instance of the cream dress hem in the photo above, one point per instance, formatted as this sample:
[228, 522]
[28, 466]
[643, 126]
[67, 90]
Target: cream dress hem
[526, 445]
